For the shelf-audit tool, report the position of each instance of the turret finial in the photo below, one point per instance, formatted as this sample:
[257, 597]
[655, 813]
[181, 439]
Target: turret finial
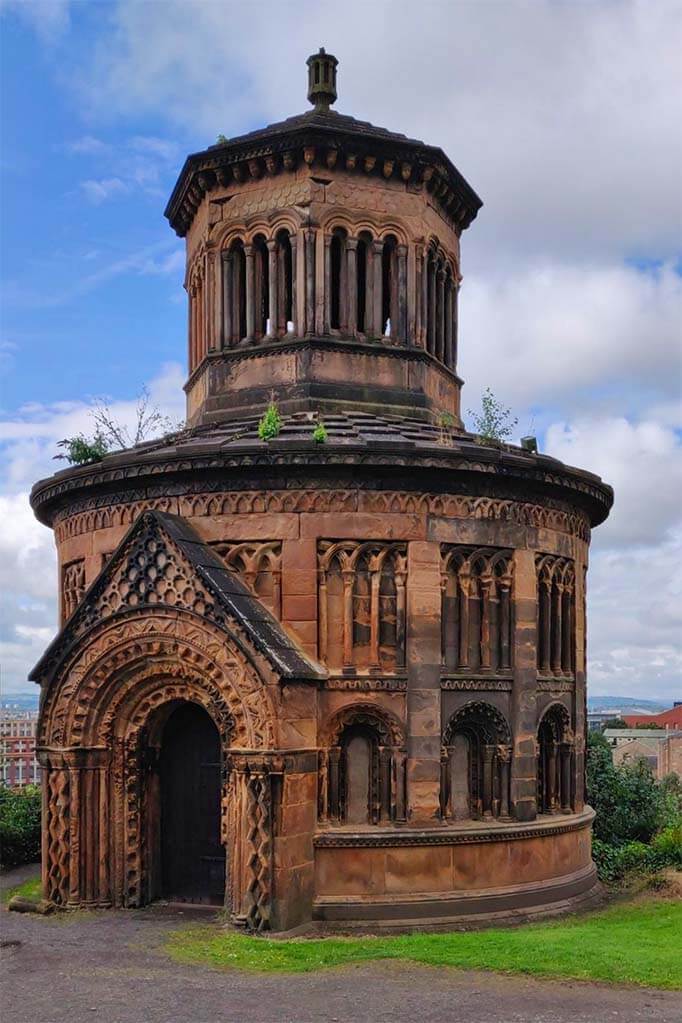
[322, 79]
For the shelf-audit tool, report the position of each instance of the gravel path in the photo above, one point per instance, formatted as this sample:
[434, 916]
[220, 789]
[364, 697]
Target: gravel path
[110, 967]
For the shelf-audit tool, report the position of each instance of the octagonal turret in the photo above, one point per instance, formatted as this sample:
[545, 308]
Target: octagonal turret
[323, 267]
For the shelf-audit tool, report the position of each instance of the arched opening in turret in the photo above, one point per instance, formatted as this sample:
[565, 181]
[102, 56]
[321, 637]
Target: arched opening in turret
[285, 291]
[363, 303]
[448, 355]
[236, 268]
[338, 280]
[431, 270]
[262, 286]
[389, 277]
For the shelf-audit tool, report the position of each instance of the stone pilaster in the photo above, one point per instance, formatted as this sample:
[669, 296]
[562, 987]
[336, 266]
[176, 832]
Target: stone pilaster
[523, 783]
[423, 686]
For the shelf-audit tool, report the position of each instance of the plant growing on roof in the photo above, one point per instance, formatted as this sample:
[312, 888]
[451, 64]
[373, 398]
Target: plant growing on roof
[320, 433]
[81, 450]
[271, 423]
[494, 422]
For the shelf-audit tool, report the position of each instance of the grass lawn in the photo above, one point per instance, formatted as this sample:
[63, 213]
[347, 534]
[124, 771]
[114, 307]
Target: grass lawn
[31, 889]
[635, 943]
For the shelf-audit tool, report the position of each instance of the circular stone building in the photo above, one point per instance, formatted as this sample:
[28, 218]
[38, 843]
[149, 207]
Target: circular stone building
[338, 674]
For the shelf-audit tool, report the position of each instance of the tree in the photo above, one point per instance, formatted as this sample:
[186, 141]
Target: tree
[493, 422]
[112, 435]
[149, 422]
[616, 723]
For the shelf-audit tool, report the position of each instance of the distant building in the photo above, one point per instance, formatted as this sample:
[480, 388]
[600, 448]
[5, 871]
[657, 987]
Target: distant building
[661, 749]
[18, 763]
[669, 719]
[598, 719]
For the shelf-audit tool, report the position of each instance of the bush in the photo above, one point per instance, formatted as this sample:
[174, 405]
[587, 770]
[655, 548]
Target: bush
[667, 847]
[81, 451]
[270, 424]
[631, 805]
[638, 827]
[20, 813]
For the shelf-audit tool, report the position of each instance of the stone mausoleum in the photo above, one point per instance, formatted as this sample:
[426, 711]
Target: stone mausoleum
[337, 675]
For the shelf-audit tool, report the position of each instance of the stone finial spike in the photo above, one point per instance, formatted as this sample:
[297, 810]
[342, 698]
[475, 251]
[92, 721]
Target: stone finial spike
[322, 79]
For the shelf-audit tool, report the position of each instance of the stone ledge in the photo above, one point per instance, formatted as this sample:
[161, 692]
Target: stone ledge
[379, 838]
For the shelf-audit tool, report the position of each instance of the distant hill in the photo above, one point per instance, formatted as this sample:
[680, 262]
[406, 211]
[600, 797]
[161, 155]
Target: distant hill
[29, 701]
[596, 703]
[20, 701]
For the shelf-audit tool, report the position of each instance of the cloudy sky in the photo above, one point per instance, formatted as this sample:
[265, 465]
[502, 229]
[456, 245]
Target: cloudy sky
[565, 117]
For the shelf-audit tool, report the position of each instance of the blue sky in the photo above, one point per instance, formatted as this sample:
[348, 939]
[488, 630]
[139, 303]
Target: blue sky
[564, 117]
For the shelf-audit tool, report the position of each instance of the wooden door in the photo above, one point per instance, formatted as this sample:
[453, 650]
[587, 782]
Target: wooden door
[192, 858]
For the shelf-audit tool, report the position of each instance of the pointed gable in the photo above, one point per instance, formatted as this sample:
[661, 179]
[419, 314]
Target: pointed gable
[162, 562]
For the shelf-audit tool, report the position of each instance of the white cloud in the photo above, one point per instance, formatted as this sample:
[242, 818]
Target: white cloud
[106, 188]
[562, 116]
[573, 337]
[635, 620]
[28, 578]
[28, 588]
[28, 440]
[643, 463]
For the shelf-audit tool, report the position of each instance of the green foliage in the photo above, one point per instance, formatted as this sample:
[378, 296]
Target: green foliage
[80, 450]
[493, 422]
[222, 140]
[20, 812]
[632, 944]
[667, 847]
[320, 433]
[647, 724]
[638, 827]
[629, 802]
[616, 723]
[271, 423]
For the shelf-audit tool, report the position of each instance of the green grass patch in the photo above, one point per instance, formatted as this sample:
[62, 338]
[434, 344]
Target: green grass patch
[30, 889]
[638, 943]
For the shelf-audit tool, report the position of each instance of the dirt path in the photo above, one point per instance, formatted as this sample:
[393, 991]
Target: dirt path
[110, 967]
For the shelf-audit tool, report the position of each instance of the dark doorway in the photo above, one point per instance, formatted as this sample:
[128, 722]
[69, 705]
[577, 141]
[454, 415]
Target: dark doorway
[192, 858]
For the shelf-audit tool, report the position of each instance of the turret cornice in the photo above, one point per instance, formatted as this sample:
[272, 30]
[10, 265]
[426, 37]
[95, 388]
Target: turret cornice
[325, 142]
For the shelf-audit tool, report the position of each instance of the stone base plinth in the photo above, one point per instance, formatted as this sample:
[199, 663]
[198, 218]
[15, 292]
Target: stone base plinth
[452, 875]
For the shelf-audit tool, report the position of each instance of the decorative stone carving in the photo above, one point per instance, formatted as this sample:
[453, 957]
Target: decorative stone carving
[73, 587]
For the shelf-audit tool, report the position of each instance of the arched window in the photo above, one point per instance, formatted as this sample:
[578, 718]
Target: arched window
[475, 764]
[262, 287]
[431, 294]
[556, 615]
[362, 771]
[449, 353]
[234, 293]
[364, 285]
[362, 601]
[389, 290]
[476, 608]
[554, 761]
[285, 290]
[338, 317]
